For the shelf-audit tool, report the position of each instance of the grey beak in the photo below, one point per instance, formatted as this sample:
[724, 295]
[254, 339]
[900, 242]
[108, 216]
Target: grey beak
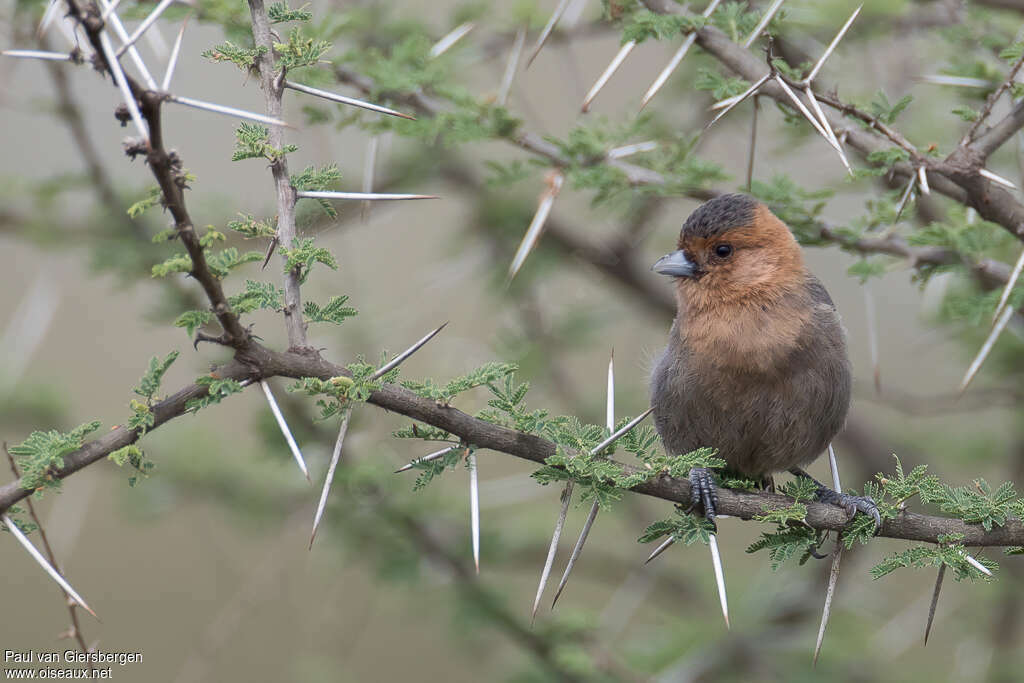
[675, 264]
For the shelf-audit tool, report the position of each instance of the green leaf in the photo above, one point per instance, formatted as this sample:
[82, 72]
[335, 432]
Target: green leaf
[253, 142]
[250, 227]
[303, 255]
[217, 390]
[150, 382]
[179, 263]
[222, 262]
[966, 113]
[243, 58]
[334, 312]
[299, 51]
[151, 199]
[257, 295]
[43, 452]
[279, 13]
[193, 320]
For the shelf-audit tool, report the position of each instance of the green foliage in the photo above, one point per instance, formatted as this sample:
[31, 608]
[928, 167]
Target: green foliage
[252, 141]
[193, 320]
[312, 178]
[179, 263]
[303, 255]
[720, 87]
[886, 112]
[242, 57]
[644, 24]
[142, 417]
[683, 528]
[787, 542]
[424, 432]
[300, 50]
[217, 390]
[950, 552]
[153, 197]
[734, 19]
[133, 456]
[1012, 53]
[256, 295]
[251, 227]
[798, 208]
[966, 113]
[279, 13]
[222, 262]
[42, 453]
[335, 311]
[431, 469]
[867, 268]
[150, 382]
[487, 374]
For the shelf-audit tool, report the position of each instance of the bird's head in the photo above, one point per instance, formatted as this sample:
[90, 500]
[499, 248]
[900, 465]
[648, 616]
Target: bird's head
[733, 250]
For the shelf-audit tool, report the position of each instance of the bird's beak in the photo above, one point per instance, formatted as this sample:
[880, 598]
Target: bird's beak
[675, 264]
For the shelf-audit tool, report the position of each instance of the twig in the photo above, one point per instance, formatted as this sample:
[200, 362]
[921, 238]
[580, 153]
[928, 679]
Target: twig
[972, 132]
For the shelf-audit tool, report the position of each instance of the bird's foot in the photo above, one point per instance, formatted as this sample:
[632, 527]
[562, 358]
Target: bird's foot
[852, 504]
[704, 492]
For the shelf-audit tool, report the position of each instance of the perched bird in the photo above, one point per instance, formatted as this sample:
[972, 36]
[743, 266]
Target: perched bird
[756, 364]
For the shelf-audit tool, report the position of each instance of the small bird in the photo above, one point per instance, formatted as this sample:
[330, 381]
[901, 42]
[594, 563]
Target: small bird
[756, 363]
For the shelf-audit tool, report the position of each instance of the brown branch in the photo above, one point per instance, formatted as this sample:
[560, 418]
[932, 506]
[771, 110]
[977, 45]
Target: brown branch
[256, 361]
[991, 102]
[272, 84]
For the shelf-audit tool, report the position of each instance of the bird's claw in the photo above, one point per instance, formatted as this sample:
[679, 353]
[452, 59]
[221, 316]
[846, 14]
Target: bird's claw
[704, 493]
[852, 504]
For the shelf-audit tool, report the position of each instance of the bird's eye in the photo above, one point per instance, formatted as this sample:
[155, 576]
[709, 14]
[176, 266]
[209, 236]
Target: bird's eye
[723, 250]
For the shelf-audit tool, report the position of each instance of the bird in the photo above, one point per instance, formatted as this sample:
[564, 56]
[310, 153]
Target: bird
[756, 364]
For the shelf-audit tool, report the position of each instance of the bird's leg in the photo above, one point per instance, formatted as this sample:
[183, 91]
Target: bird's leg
[704, 492]
[850, 503]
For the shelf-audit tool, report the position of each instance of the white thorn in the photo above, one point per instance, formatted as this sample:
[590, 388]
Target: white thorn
[511, 67]
[547, 200]
[673, 63]
[114, 21]
[625, 428]
[610, 408]
[173, 61]
[734, 102]
[49, 568]
[956, 81]
[553, 547]
[830, 591]
[446, 43]
[577, 549]
[607, 73]
[716, 562]
[830, 134]
[769, 13]
[146, 23]
[546, 32]
[832, 45]
[474, 508]
[38, 54]
[834, 467]
[997, 329]
[371, 196]
[342, 99]
[935, 601]
[51, 12]
[426, 458]
[122, 84]
[985, 173]
[285, 430]
[907, 193]
[661, 548]
[977, 565]
[801, 108]
[329, 479]
[634, 148]
[397, 360]
[1010, 284]
[922, 179]
[229, 111]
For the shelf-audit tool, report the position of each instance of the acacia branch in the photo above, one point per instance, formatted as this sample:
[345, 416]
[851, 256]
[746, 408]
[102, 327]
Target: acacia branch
[272, 84]
[258, 362]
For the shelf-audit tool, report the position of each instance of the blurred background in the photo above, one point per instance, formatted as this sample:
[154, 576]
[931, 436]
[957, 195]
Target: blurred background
[203, 566]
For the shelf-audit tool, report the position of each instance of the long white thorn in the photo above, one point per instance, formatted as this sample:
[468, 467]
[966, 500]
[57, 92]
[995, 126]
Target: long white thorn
[830, 134]
[739, 99]
[830, 591]
[716, 562]
[610, 407]
[956, 81]
[907, 194]
[997, 329]
[365, 196]
[342, 99]
[511, 67]
[801, 108]
[114, 21]
[51, 12]
[552, 547]
[474, 508]
[985, 173]
[833, 576]
[665, 545]
[109, 8]
[977, 565]
[285, 430]
[934, 602]
[547, 200]
[577, 549]
[122, 84]
[922, 179]
[49, 568]
[832, 45]
[38, 54]
[329, 479]
[426, 458]
[173, 61]
[673, 63]
[634, 148]
[618, 434]
[400, 358]
[546, 32]
[228, 111]
[446, 43]
[146, 23]
[602, 80]
[1010, 284]
[765, 18]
